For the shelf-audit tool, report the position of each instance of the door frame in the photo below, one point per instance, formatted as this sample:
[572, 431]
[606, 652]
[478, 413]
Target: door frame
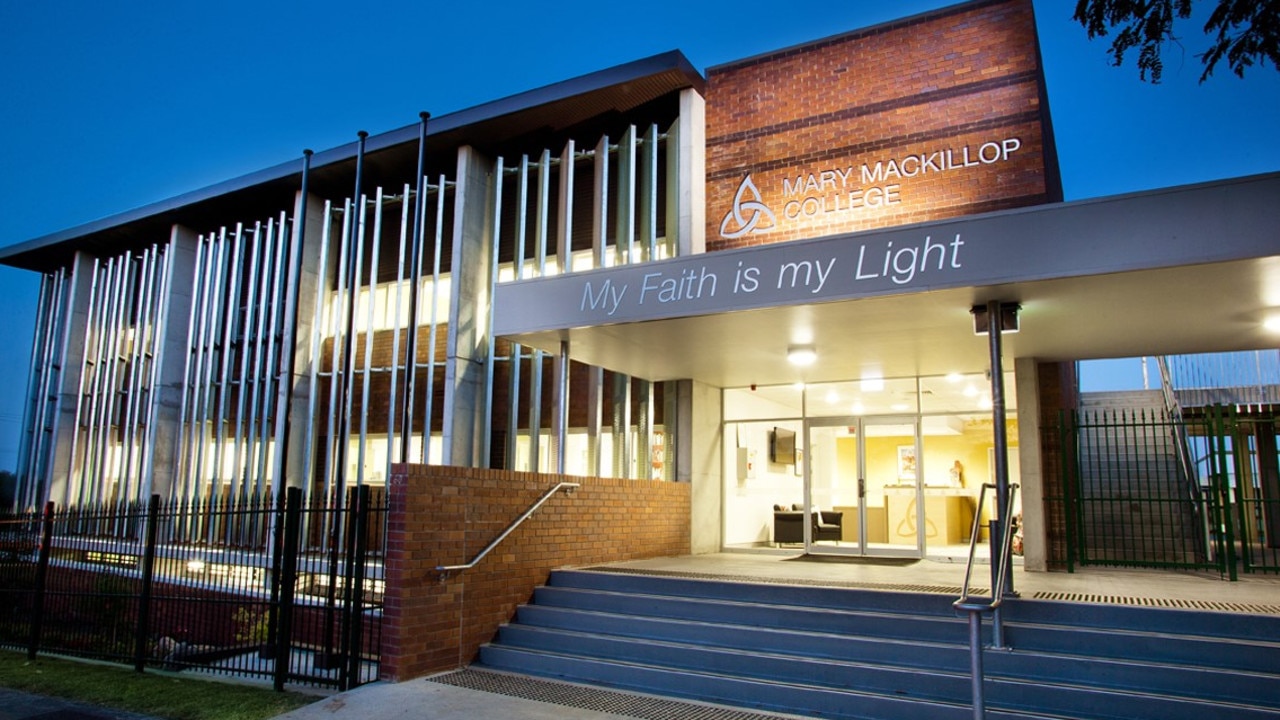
[861, 422]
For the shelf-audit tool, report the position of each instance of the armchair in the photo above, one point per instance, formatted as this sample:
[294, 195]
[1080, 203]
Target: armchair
[788, 524]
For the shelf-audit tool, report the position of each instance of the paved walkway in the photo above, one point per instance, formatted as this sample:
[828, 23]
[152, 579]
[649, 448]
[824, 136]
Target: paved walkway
[18, 705]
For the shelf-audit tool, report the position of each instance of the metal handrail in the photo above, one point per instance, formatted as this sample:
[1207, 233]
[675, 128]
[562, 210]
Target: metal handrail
[975, 608]
[444, 570]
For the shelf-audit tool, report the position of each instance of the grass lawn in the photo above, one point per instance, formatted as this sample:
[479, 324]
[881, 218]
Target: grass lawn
[162, 694]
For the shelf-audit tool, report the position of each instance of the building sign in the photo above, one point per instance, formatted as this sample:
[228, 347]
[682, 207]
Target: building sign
[834, 191]
[1061, 241]
[935, 117]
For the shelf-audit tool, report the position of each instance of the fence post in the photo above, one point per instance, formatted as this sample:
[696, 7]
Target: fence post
[42, 574]
[287, 580]
[355, 566]
[148, 579]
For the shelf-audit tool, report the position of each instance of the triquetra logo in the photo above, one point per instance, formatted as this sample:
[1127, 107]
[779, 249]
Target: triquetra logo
[749, 213]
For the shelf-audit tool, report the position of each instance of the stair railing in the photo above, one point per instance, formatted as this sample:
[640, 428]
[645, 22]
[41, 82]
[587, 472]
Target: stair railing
[568, 487]
[1182, 449]
[975, 607]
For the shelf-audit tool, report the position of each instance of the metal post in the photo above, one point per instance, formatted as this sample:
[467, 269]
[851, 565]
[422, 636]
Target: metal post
[975, 664]
[288, 339]
[286, 581]
[487, 439]
[1000, 442]
[429, 415]
[148, 576]
[415, 279]
[42, 575]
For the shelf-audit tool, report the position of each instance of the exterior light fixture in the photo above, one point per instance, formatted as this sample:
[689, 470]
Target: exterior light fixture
[802, 355]
[1008, 318]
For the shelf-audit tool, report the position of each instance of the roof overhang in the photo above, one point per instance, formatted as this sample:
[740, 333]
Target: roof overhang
[597, 100]
[1181, 270]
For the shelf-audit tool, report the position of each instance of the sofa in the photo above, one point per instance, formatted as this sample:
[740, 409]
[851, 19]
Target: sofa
[788, 524]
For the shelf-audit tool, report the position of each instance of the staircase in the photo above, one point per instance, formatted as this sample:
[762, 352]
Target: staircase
[847, 653]
[1135, 499]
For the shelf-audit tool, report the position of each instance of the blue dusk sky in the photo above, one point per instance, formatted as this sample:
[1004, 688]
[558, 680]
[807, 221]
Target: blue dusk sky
[110, 106]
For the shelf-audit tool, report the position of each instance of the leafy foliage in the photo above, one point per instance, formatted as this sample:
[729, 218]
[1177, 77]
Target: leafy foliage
[1244, 32]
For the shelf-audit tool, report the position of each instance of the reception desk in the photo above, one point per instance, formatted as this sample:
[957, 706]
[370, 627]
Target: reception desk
[948, 515]
[877, 523]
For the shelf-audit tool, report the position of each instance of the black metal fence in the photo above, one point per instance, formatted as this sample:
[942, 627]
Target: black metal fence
[262, 587]
[1142, 489]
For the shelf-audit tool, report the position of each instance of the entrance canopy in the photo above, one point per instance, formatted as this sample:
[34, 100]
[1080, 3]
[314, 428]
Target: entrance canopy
[1181, 270]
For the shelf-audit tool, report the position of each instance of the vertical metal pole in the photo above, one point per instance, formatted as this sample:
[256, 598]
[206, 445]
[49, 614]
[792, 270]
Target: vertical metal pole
[393, 446]
[337, 314]
[161, 323]
[190, 363]
[564, 258]
[429, 416]
[344, 420]
[205, 432]
[249, 342]
[354, 262]
[42, 575]
[562, 405]
[366, 373]
[599, 257]
[536, 364]
[487, 439]
[32, 410]
[415, 280]
[975, 665]
[224, 374]
[287, 581]
[317, 324]
[279, 345]
[92, 303]
[289, 340]
[1001, 445]
[648, 191]
[143, 628]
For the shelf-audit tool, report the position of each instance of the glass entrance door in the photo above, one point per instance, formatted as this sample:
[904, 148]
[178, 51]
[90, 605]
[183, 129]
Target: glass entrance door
[863, 486]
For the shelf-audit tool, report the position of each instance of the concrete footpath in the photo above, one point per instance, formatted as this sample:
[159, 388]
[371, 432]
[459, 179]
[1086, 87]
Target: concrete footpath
[18, 705]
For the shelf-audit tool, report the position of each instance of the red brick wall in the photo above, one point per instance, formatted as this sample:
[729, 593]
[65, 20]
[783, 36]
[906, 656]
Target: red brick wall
[946, 82]
[445, 515]
[1057, 381]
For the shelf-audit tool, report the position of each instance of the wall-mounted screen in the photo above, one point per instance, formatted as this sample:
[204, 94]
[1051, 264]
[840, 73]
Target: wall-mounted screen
[782, 446]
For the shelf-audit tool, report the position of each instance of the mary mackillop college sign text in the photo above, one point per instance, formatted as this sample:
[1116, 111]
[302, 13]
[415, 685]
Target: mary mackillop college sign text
[934, 117]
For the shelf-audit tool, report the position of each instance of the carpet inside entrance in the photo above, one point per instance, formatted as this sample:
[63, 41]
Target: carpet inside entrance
[856, 560]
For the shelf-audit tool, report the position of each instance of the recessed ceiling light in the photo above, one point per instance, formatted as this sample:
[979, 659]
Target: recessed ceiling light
[954, 377]
[802, 355]
[1272, 324]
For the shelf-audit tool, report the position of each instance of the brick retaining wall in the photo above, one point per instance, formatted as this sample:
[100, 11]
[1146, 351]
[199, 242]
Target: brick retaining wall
[445, 515]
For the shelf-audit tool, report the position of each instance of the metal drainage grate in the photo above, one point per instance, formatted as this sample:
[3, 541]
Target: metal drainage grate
[898, 587]
[590, 698]
[1212, 605]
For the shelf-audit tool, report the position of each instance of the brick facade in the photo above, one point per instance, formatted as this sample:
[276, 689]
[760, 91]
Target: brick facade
[445, 515]
[1058, 383]
[931, 117]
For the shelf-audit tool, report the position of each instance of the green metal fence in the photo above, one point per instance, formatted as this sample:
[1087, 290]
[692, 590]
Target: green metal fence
[1142, 489]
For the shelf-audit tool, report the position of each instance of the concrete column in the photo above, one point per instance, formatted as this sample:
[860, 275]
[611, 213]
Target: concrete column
[298, 444]
[698, 461]
[183, 248]
[468, 311]
[72, 337]
[1034, 517]
[687, 205]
